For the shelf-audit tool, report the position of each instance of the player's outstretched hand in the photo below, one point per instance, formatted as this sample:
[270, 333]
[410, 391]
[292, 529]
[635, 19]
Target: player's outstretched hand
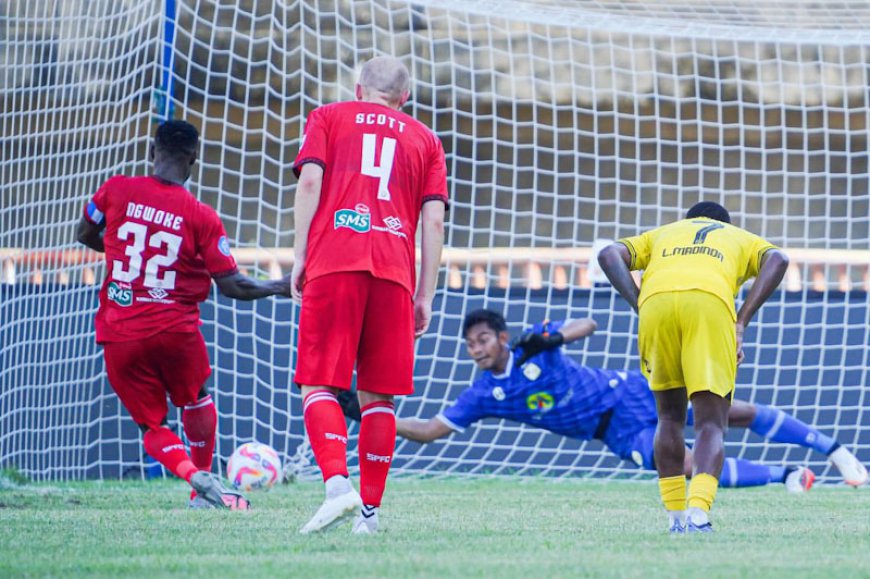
[738, 330]
[533, 344]
[349, 405]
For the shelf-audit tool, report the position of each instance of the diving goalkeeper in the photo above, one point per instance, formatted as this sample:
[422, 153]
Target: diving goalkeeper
[535, 383]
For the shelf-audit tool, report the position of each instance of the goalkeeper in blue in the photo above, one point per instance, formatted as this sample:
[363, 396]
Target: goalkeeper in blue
[533, 382]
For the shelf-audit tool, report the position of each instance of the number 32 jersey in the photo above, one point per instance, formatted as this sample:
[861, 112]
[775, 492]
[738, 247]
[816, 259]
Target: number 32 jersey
[379, 167]
[162, 249]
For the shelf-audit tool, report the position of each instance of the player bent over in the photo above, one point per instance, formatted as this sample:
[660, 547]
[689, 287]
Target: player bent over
[536, 384]
[690, 338]
[163, 248]
[367, 174]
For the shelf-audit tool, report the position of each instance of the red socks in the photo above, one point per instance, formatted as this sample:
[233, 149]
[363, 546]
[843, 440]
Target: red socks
[377, 440]
[200, 423]
[327, 432]
[167, 449]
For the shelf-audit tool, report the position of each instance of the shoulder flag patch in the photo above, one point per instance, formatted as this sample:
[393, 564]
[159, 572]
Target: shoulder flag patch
[94, 214]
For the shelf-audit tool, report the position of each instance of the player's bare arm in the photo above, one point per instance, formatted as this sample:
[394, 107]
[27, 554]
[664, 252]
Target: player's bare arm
[615, 261]
[415, 429]
[307, 199]
[432, 221]
[91, 234]
[422, 430]
[241, 287]
[774, 264]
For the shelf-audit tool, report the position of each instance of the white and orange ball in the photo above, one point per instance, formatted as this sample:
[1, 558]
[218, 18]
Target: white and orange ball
[254, 466]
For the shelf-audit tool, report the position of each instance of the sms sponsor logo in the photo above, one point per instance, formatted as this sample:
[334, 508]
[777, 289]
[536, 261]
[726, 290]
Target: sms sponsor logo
[357, 219]
[123, 296]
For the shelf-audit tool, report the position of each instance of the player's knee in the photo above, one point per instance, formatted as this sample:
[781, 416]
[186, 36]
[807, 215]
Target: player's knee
[371, 397]
[306, 390]
[710, 429]
[144, 427]
[366, 398]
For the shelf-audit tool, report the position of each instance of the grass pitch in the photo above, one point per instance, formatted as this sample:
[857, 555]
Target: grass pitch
[431, 528]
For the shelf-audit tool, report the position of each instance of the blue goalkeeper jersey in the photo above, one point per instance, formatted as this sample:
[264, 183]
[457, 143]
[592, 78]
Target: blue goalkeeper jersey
[550, 391]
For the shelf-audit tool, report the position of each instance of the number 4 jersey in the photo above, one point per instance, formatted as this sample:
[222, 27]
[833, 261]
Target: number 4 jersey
[379, 167]
[162, 249]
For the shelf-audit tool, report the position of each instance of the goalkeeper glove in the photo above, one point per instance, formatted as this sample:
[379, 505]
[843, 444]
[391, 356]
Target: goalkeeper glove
[349, 405]
[533, 344]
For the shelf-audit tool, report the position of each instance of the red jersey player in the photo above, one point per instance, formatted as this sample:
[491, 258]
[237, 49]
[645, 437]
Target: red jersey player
[367, 174]
[163, 248]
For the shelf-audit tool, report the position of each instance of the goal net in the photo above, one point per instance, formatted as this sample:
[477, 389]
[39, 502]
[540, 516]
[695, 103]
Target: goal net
[564, 122]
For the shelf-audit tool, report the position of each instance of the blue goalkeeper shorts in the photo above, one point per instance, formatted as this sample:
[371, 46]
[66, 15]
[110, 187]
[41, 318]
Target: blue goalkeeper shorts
[632, 425]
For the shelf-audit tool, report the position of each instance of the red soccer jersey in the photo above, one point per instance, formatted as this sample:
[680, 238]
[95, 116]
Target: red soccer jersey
[162, 249]
[380, 167]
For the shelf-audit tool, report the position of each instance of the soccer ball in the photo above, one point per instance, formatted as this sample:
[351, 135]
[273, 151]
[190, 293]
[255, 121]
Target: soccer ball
[254, 466]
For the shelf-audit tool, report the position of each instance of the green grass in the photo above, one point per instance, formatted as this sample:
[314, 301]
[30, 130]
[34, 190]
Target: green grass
[431, 528]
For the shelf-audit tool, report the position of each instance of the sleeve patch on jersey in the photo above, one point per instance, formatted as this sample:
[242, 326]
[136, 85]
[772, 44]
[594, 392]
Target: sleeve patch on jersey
[224, 245]
[94, 214]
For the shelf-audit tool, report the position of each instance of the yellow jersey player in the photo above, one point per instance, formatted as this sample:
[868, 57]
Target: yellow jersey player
[690, 338]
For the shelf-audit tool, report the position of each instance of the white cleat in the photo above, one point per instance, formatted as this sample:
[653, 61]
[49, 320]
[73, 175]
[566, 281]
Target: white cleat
[853, 472]
[366, 523]
[333, 512]
[799, 479]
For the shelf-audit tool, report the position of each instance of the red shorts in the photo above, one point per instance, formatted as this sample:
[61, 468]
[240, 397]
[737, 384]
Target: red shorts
[143, 372]
[354, 316]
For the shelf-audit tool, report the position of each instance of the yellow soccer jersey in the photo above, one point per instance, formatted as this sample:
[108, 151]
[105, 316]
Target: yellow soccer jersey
[696, 254]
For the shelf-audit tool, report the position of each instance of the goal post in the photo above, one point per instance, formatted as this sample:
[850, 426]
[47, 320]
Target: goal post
[564, 122]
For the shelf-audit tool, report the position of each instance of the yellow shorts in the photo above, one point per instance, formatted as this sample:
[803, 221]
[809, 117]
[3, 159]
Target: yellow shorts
[687, 338]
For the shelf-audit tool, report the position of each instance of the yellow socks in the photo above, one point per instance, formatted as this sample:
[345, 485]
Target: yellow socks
[702, 491]
[673, 492]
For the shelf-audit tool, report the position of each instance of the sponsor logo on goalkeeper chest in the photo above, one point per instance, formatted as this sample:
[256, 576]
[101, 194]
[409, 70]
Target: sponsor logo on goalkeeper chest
[357, 219]
[121, 294]
[540, 401]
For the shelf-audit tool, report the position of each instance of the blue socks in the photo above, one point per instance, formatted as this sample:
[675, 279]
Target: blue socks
[776, 425]
[737, 472]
